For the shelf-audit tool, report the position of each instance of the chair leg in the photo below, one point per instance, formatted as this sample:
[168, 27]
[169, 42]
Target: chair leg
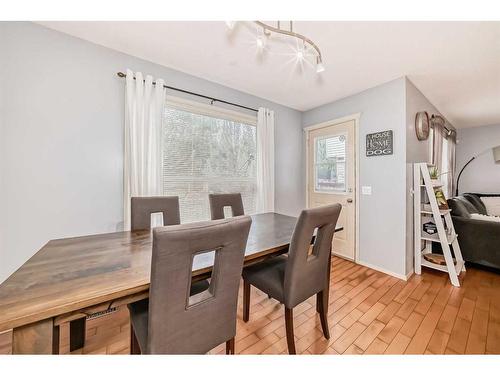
[290, 339]
[77, 330]
[322, 307]
[246, 301]
[134, 344]
[326, 291]
[230, 346]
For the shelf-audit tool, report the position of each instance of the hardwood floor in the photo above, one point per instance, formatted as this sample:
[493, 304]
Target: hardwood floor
[369, 313]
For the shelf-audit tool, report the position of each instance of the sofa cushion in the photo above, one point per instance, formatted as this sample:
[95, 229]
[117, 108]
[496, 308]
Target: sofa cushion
[492, 205]
[495, 219]
[461, 207]
[476, 201]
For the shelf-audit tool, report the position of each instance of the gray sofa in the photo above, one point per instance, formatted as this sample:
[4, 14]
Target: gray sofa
[479, 240]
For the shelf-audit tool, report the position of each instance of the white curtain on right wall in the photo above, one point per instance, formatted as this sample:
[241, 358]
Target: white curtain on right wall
[443, 156]
[265, 161]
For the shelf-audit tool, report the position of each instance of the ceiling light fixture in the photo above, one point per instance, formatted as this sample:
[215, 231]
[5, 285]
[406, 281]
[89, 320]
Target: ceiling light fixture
[319, 65]
[300, 54]
[306, 42]
[261, 42]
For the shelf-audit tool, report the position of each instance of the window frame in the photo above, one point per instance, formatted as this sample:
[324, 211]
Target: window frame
[210, 110]
[217, 112]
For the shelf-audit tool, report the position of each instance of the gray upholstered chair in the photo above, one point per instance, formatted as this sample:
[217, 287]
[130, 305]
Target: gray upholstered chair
[291, 279]
[177, 319]
[143, 207]
[141, 210]
[219, 201]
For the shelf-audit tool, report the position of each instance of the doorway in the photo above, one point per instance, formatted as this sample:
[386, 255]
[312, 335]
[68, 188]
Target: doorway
[332, 177]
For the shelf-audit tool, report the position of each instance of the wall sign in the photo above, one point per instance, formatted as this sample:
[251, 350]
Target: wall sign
[378, 144]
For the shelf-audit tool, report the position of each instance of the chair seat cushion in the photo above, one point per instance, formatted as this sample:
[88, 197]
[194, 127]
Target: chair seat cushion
[139, 314]
[268, 276]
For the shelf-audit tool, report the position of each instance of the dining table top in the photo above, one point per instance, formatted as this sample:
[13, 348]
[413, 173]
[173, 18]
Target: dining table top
[74, 273]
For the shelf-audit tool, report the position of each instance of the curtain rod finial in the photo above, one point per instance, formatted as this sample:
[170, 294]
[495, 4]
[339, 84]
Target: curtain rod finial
[121, 75]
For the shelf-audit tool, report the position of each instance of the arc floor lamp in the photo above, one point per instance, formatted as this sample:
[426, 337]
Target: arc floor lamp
[496, 157]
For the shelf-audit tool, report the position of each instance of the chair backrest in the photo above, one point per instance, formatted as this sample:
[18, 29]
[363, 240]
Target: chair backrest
[180, 323]
[306, 268]
[219, 201]
[143, 207]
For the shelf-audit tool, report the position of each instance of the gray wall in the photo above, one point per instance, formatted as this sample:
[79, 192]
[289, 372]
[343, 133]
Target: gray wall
[416, 152]
[482, 175]
[61, 129]
[382, 214]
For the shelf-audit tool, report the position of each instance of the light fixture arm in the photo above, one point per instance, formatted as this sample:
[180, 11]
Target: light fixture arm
[466, 164]
[291, 33]
[460, 174]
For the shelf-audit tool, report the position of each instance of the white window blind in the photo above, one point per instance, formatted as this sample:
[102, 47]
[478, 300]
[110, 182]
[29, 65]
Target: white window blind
[203, 153]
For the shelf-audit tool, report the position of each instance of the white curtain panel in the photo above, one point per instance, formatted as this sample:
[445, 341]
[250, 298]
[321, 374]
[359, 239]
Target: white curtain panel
[437, 146]
[451, 159]
[265, 161]
[144, 106]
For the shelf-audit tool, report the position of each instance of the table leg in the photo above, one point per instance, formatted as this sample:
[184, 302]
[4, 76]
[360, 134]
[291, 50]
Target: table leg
[36, 338]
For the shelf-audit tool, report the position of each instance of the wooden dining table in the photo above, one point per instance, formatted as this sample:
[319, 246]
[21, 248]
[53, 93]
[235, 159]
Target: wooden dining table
[73, 278]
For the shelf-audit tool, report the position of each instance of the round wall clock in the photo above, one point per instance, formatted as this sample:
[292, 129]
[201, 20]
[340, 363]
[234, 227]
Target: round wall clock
[422, 126]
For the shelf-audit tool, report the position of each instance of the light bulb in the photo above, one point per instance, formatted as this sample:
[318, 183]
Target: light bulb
[230, 24]
[300, 55]
[261, 42]
[319, 65]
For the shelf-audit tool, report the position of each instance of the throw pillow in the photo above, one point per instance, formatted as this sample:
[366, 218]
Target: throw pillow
[492, 205]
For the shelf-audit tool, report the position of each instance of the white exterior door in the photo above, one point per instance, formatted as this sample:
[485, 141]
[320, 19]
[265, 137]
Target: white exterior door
[331, 178]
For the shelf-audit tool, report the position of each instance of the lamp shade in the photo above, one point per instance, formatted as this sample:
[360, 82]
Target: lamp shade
[496, 154]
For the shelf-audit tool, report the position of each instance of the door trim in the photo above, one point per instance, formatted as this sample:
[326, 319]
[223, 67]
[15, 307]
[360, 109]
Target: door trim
[354, 117]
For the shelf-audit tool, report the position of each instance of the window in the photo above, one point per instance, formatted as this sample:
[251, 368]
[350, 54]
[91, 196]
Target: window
[207, 150]
[330, 164]
[444, 168]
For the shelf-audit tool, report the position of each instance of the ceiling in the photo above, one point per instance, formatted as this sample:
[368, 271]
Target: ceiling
[456, 65]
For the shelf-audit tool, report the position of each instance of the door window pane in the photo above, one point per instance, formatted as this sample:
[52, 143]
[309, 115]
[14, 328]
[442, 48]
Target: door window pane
[330, 164]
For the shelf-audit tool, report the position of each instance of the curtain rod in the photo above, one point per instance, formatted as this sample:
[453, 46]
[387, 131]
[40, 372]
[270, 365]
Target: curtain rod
[212, 100]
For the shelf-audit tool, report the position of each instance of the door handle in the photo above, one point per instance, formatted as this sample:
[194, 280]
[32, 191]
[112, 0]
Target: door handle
[349, 200]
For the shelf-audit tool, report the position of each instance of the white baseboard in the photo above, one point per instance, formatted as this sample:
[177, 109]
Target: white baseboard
[390, 273]
[410, 274]
[342, 257]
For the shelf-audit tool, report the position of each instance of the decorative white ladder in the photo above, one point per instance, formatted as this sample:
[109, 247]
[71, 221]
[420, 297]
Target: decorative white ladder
[422, 184]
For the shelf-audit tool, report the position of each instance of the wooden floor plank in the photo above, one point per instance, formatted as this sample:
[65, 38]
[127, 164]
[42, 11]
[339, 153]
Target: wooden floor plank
[438, 342]
[476, 343]
[459, 335]
[369, 316]
[493, 339]
[388, 312]
[369, 312]
[391, 329]
[447, 319]
[398, 345]
[348, 338]
[424, 332]
[376, 347]
[369, 334]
